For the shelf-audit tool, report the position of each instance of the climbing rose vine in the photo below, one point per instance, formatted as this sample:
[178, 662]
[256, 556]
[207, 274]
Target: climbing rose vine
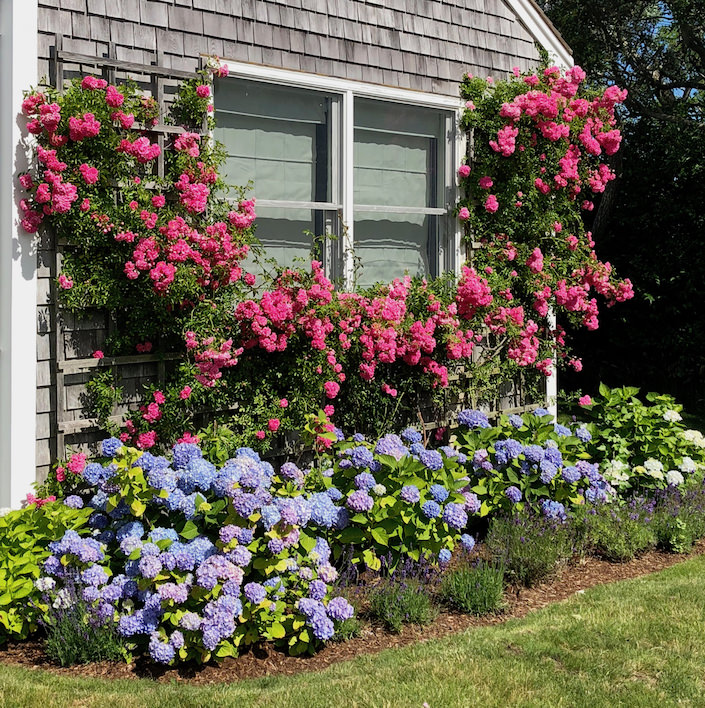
[539, 154]
[164, 252]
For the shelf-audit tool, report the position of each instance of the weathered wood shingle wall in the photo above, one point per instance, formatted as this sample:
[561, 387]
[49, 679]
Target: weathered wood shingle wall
[422, 44]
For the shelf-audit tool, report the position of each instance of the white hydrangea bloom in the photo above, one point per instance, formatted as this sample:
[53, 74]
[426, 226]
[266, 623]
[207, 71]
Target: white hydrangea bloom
[687, 465]
[62, 600]
[695, 437]
[616, 472]
[654, 468]
[674, 477]
[379, 489]
[5, 510]
[44, 584]
[671, 416]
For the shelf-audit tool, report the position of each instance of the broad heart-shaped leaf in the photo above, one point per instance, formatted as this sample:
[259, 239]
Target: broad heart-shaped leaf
[189, 531]
[370, 558]
[307, 542]
[380, 535]
[138, 507]
[351, 535]
[277, 631]
[604, 390]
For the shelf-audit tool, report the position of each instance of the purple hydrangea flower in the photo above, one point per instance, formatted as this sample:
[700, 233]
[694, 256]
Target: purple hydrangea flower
[455, 516]
[365, 481]
[516, 421]
[255, 593]
[340, 609]
[74, 502]
[513, 494]
[360, 501]
[467, 541]
[431, 459]
[361, 457]
[391, 445]
[571, 474]
[410, 494]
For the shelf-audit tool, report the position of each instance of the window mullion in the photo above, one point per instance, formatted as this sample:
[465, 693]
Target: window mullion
[348, 237]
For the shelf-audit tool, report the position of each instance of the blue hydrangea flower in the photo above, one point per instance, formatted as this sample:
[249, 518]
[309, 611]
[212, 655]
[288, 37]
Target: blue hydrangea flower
[583, 434]
[110, 446]
[73, 502]
[506, 450]
[455, 516]
[540, 412]
[534, 453]
[358, 438]
[183, 453]
[365, 481]
[431, 509]
[334, 493]
[431, 459]
[317, 590]
[416, 448]
[516, 421]
[473, 419]
[513, 494]
[438, 492]
[411, 435]
[561, 430]
[323, 510]
[467, 541]
[548, 471]
[361, 457]
[553, 454]
[161, 652]
[270, 516]
[444, 555]
[571, 474]
[553, 509]
[197, 474]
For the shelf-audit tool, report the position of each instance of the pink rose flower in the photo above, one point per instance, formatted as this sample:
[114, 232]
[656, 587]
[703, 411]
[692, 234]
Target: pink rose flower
[273, 424]
[98, 354]
[464, 214]
[585, 400]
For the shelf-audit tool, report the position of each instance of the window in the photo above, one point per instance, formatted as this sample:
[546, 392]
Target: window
[375, 174]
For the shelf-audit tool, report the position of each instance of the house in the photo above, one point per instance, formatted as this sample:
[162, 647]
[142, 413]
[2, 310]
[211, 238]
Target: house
[344, 112]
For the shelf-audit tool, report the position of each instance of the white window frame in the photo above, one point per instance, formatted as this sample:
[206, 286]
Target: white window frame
[450, 256]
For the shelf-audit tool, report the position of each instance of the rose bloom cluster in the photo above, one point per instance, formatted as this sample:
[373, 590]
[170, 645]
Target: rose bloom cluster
[165, 240]
[538, 162]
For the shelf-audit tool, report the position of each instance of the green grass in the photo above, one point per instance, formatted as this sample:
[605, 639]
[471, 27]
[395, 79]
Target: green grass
[635, 643]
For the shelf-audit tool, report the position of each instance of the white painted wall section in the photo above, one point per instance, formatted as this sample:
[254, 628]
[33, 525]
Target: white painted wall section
[18, 259]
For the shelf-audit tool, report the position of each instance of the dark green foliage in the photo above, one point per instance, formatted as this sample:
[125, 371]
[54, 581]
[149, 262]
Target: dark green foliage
[348, 629]
[650, 223]
[679, 519]
[475, 589]
[398, 603]
[530, 547]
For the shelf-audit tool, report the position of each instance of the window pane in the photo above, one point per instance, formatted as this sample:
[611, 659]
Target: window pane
[281, 232]
[388, 245]
[278, 137]
[398, 154]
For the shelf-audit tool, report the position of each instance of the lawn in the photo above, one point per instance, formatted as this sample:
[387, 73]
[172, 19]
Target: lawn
[635, 643]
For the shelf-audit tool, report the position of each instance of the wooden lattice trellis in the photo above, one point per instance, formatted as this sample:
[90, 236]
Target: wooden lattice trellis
[69, 371]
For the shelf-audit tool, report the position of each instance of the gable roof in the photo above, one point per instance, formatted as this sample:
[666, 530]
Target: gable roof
[537, 24]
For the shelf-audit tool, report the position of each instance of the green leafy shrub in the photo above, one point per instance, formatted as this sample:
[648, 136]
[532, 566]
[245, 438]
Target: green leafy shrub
[530, 547]
[396, 603]
[24, 538]
[474, 589]
[641, 447]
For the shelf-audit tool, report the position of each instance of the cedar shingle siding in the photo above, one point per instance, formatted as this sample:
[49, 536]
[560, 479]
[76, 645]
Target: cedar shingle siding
[421, 44]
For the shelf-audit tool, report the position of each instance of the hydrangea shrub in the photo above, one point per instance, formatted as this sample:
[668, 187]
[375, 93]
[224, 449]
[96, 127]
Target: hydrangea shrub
[641, 447]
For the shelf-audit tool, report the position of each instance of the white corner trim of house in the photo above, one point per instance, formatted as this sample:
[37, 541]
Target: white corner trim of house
[18, 259]
[542, 30]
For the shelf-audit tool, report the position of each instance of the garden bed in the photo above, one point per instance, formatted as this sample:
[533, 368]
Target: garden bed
[264, 660]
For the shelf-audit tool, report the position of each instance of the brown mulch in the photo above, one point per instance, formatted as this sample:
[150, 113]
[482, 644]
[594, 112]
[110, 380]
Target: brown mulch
[264, 660]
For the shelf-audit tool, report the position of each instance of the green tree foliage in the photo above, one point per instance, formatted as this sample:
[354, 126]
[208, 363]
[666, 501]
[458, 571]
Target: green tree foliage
[651, 223]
